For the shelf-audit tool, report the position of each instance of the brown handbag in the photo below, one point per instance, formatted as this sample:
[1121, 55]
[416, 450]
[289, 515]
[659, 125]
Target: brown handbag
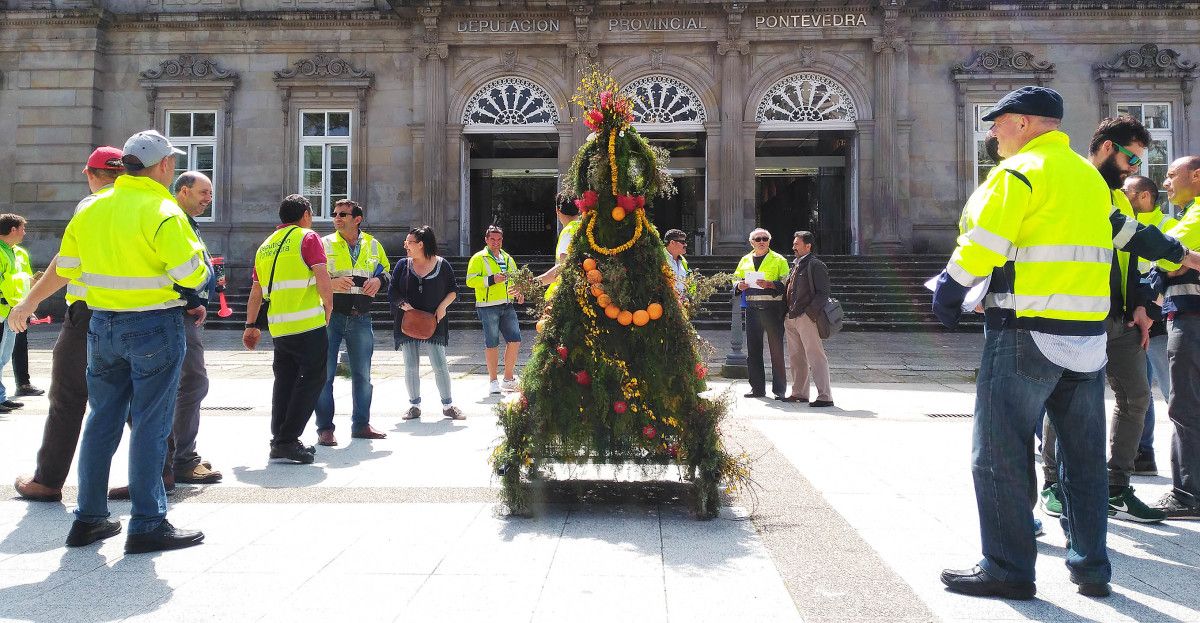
[419, 325]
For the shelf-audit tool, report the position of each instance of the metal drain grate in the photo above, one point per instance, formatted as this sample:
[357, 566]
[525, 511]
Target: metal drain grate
[949, 415]
[226, 408]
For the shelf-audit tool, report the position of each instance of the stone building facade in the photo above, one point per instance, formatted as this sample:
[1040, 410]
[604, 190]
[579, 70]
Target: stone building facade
[856, 119]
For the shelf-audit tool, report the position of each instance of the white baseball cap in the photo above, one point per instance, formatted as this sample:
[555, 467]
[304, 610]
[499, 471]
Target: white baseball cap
[146, 149]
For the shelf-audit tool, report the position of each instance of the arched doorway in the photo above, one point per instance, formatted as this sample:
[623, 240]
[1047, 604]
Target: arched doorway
[669, 113]
[803, 161]
[510, 164]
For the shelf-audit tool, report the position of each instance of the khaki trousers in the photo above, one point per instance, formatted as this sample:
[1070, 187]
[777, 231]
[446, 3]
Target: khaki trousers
[806, 353]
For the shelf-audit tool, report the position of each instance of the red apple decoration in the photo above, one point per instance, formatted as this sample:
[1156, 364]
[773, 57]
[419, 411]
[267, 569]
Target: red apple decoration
[620, 407]
[583, 378]
[562, 352]
[701, 371]
[648, 432]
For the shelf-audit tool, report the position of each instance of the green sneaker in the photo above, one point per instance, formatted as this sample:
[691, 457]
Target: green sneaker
[1052, 500]
[1128, 507]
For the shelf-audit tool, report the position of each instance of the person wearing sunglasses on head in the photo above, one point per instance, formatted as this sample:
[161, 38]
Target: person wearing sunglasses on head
[358, 270]
[760, 275]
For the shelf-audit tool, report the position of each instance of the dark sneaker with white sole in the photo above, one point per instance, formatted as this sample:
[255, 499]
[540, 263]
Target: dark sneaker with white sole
[1175, 508]
[1128, 507]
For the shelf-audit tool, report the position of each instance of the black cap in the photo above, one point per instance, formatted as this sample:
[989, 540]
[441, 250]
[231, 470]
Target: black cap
[1038, 101]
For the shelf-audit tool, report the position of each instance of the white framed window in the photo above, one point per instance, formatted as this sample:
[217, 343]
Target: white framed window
[1156, 117]
[326, 139]
[195, 132]
[981, 163]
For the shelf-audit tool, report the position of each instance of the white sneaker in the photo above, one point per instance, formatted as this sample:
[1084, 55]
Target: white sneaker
[510, 386]
[494, 388]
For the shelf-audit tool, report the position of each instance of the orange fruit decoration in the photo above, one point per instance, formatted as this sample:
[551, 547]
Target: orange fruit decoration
[541, 324]
[594, 276]
[618, 213]
[612, 311]
[597, 291]
[625, 318]
[604, 300]
[641, 317]
[655, 311]
[589, 264]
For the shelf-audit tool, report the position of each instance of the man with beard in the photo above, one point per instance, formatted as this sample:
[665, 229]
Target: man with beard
[1116, 151]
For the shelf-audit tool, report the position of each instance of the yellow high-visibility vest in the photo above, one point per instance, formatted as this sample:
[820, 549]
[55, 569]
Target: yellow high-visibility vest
[340, 264]
[292, 289]
[1041, 218]
[774, 267]
[130, 247]
[482, 266]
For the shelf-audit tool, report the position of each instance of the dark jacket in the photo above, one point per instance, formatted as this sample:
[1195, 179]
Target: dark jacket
[807, 287]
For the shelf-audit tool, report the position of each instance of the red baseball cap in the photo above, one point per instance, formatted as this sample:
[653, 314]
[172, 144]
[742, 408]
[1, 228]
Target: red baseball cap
[106, 157]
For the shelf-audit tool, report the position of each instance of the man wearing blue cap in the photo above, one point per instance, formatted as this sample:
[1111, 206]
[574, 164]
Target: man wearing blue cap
[1038, 231]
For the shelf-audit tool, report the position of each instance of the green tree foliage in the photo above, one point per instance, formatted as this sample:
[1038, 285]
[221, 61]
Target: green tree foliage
[617, 371]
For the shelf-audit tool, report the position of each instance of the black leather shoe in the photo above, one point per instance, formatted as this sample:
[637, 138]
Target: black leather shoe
[794, 399]
[1092, 589]
[755, 395]
[84, 533]
[821, 403]
[4, 409]
[978, 583]
[29, 390]
[295, 452]
[162, 538]
[12, 404]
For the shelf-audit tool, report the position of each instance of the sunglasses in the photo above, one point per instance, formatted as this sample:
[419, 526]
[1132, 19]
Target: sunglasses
[1134, 160]
[342, 214]
[761, 239]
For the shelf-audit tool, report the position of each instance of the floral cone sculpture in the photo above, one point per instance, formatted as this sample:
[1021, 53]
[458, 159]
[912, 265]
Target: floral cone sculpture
[614, 374]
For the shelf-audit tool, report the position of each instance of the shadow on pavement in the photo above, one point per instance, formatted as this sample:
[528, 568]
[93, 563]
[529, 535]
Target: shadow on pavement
[355, 453]
[426, 428]
[281, 476]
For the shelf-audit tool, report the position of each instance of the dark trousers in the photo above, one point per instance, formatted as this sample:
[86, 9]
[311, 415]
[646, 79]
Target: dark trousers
[68, 398]
[1183, 351]
[767, 319]
[193, 388]
[20, 359]
[299, 367]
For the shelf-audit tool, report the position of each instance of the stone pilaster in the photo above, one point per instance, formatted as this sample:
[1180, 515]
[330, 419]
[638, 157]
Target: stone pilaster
[433, 56]
[731, 210]
[884, 214]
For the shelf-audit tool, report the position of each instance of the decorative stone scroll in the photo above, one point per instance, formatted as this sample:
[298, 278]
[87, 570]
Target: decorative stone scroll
[325, 73]
[190, 76]
[510, 101]
[1003, 59]
[1143, 71]
[663, 99]
[806, 97]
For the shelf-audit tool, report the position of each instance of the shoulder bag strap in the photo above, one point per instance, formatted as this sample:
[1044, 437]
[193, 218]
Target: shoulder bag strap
[271, 280]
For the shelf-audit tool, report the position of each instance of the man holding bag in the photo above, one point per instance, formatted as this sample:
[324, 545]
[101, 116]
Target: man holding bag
[807, 294]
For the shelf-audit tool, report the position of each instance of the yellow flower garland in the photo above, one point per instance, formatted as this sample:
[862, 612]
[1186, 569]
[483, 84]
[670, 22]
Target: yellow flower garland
[637, 233]
[612, 159]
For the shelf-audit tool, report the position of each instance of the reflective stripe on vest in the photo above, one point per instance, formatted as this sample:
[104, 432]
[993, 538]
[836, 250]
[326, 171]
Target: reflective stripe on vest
[1064, 302]
[992, 242]
[1184, 289]
[1064, 253]
[124, 283]
[68, 262]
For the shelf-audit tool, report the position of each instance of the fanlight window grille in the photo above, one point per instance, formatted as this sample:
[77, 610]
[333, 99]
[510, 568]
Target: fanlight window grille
[510, 101]
[662, 99]
[806, 98]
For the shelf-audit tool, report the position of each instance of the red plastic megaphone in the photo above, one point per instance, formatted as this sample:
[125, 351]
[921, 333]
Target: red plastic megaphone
[46, 320]
[219, 274]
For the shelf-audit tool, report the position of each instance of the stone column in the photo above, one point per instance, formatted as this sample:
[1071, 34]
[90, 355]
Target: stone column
[885, 213]
[434, 57]
[731, 165]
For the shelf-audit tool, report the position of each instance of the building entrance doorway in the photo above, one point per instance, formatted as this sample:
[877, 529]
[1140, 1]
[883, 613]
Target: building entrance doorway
[511, 181]
[686, 209]
[802, 180]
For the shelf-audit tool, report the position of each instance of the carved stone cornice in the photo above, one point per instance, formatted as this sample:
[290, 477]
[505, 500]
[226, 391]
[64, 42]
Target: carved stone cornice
[1003, 59]
[189, 67]
[193, 75]
[322, 66]
[325, 73]
[740, 46]
[1147, 61]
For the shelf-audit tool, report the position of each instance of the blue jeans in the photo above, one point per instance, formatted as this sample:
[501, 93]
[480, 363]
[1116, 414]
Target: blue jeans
[134, 360]
[1157, 370]
[360, 346]
[7, 342]
[1016, 382]
[412, 370]
[499, 320]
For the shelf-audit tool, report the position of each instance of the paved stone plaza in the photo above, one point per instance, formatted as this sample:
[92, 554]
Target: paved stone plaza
[857, 509]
